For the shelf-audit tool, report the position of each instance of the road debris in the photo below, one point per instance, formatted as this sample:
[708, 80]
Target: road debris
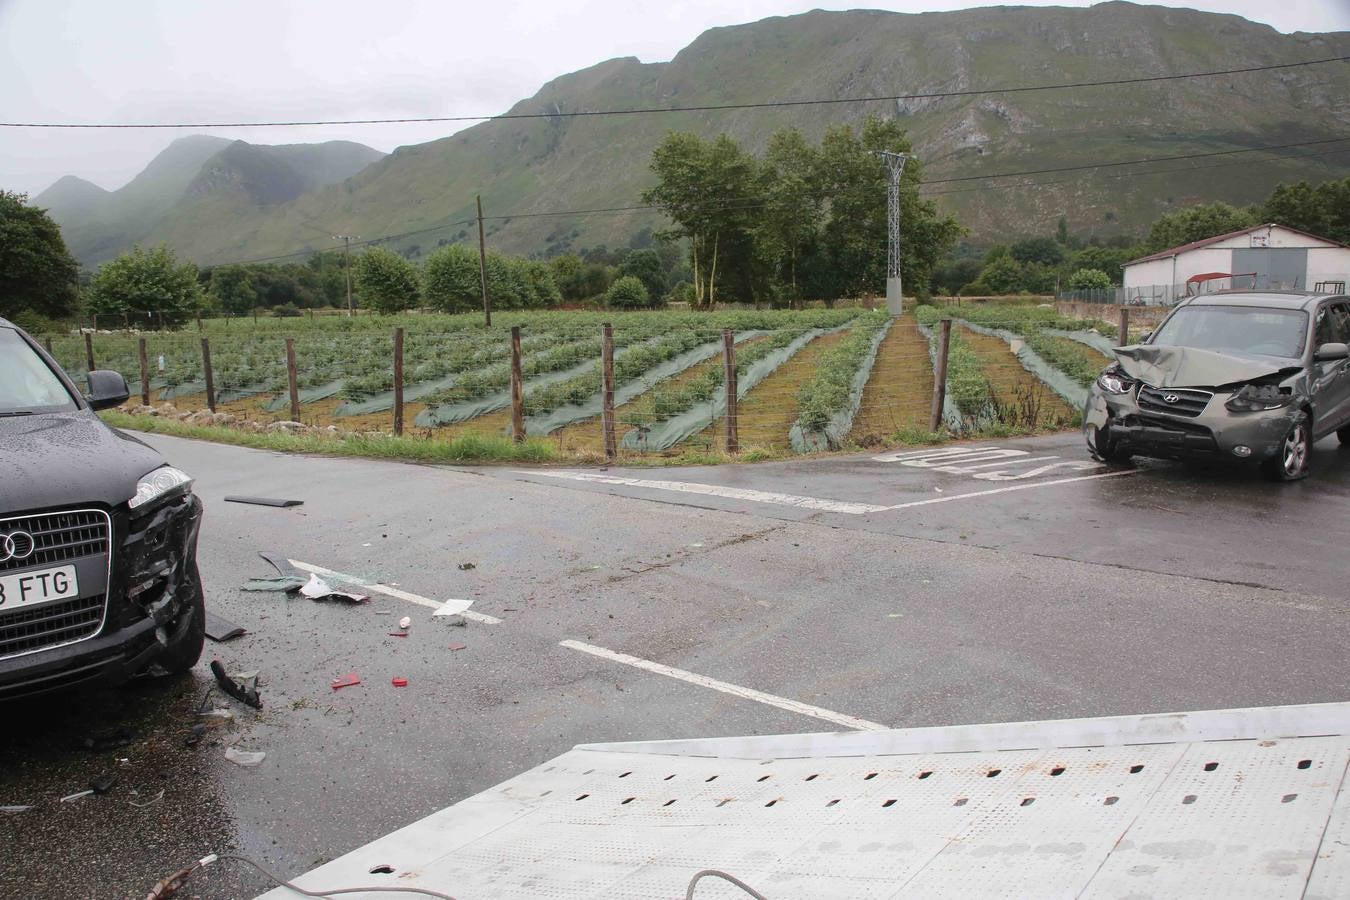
[398, 634]
[452, 607]
[398, 682]
[221, 630]
[245, 695]
[405, 623]
[103, 785]
[76, 796]
[15, 809]
[348, 680]
[151, 802]
[246, 758]
[108, 740]
[195, 736]
[466, 566]
[264, 501]
[284, 584]
[318, 589]
[459, 646]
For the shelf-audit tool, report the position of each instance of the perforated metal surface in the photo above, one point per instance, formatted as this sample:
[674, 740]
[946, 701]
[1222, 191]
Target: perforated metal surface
[1255, 810]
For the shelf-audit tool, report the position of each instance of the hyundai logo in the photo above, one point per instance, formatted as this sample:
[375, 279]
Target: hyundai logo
[1171, 398]
[16, 545]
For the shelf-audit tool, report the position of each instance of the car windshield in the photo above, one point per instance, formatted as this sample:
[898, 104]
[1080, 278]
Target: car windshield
[27, 384]
[1237, 329]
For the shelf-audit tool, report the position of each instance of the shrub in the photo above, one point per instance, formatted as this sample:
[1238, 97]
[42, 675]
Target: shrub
[1089, 280]
[628, 292]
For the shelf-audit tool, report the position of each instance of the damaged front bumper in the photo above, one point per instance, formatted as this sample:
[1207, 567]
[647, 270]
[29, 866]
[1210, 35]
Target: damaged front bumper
[152, 581]
[1215, 433]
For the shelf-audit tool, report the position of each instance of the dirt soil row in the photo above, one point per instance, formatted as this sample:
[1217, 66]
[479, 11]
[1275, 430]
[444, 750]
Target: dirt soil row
[1014, 386]
[899, 392]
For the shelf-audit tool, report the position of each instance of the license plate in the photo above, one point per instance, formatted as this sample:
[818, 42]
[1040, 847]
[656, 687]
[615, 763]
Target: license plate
[38, 587]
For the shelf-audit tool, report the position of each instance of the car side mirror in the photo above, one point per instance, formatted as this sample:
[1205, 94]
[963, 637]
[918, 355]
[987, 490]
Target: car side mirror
[107, 389]
[1331, 352]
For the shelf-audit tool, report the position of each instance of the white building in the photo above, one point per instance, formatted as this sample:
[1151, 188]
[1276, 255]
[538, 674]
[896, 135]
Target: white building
[1265, 257]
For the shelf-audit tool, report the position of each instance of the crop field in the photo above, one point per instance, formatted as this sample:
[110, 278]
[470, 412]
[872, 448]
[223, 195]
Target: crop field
[807, 380]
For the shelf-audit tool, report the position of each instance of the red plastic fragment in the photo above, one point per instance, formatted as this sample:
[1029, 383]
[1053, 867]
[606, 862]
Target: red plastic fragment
[398, 634]
[400, 682]
[459, 646]
[346, 681]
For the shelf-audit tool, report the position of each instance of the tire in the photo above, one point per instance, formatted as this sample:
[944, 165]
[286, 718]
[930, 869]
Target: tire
[184, 652]
[1291, 462]
[1109, 451]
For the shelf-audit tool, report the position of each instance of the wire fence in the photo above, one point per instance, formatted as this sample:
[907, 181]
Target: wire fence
[624, 384]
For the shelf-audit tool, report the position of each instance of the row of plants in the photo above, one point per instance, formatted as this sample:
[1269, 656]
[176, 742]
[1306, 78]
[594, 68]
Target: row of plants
[1081, 363]
[827, 391]
[967, 383]
[626, 367]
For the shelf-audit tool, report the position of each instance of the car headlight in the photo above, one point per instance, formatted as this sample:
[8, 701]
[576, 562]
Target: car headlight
[156, 484]
[1257, 397]
[1114, 383]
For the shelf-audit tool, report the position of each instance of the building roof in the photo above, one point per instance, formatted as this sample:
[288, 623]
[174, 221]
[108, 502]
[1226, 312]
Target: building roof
[1196, 245]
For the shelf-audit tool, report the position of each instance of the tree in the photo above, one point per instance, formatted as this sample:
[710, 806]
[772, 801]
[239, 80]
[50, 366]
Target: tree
[450, 279]
[1089, 280]
[645, 265]
[791, 218]
[147, 284]
[386, 281]
[1062, 231]
[1038, 250]
[627, 292]
[1323, 210]
[1197, 223]
[37, 272]
[232, 287]
[1110, 260]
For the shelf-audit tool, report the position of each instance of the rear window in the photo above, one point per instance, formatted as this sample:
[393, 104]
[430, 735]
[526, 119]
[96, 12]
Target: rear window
[1237, 329]
[27, 385]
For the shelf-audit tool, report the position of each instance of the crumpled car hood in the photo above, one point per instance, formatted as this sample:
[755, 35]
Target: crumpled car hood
[1163, 366]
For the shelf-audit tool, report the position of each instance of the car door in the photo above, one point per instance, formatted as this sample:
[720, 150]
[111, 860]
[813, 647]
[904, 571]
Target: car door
[1331, 379]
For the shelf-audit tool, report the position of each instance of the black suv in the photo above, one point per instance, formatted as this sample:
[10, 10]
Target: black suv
[98, 536]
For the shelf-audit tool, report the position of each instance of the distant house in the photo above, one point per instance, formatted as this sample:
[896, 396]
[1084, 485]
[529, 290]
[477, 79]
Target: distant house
[1264, 257]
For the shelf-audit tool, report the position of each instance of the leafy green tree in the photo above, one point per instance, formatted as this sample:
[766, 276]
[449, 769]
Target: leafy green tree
[1110, 260]
[1089, 280]
[450, 279]
[37, 272]
[544, 291]
[1004, 275]
[645, 265]
[627, 292]
[1197, 223]
[147, 284]
[1038, 250]
[1062, 231]
[793, 205]
[1323, 210]
[387, 282]
[232, 287]
[567, 275]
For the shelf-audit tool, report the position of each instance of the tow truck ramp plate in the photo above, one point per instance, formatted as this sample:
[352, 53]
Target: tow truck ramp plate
[1232, 803]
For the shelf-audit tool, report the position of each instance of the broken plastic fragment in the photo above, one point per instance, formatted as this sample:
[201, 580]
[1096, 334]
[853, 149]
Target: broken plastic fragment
[459, 646]
[240, 692]
[399, 682]
[76, 796]
[398, 634]
[245, 758]
[14, 810]
[281, 583]
[318, 589]
[466, 566]
[153, 800]
[405, 622]
[348, 680]
[452, 607]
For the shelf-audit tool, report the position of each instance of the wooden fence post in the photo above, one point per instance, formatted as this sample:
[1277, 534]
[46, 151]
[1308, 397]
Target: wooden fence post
[607, 390]
[398, 381]
[940, 375]
[292, 380]
[517, 389]
[729, 367]
[210, 379]
[1124, 326]
[89, 351]
[145, 372]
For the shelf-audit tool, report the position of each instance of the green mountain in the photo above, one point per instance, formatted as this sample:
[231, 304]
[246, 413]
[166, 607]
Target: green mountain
[526, 167]
[198, 179]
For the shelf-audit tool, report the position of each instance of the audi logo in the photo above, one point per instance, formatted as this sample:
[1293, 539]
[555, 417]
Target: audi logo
[1171, 398]
[16, 545]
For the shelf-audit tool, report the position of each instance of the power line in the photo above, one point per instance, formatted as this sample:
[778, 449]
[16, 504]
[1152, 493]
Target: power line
[769, 104]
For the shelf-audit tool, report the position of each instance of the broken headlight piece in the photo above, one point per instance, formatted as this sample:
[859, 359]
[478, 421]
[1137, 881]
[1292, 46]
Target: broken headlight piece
[1113, 382]
[1258, 397]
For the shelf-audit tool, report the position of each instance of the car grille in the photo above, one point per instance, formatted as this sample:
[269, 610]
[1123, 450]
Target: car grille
[1173, 401]
[58, 537]
[25, 630]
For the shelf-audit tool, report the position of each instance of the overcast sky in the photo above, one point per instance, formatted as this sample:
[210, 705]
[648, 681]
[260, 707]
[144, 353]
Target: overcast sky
[232, 60]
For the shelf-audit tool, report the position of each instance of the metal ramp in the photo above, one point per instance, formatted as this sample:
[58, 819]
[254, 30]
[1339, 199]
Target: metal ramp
[1233, 803]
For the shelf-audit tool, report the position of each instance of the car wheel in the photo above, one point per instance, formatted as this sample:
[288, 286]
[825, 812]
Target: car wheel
[1291, 462]
[184, 651]
[1103, 449]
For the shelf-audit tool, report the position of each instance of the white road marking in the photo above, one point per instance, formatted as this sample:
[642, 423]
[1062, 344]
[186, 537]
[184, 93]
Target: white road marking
[1015, 487]
[391, 591]
[726, 688]
[717, 490]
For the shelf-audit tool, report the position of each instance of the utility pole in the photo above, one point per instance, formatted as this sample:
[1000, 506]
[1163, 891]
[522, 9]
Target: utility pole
[347, 256]
[895, 162]
[482, 265]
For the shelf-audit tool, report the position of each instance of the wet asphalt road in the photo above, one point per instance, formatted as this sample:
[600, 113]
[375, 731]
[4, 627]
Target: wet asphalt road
[981, 593]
